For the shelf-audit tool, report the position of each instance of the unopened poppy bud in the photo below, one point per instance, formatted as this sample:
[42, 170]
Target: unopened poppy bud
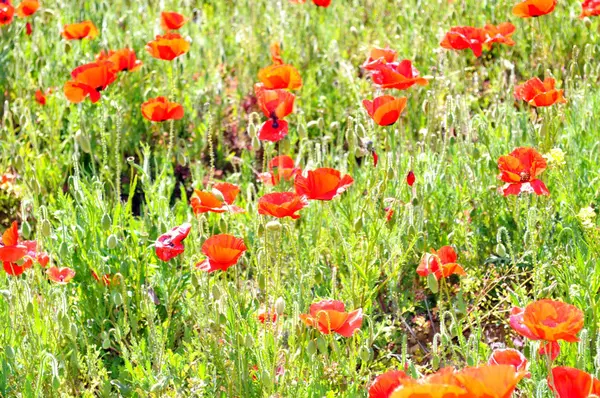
[63, 250]
[273, 226]
[261, 230]
[366, 354]
[116, 298]
[26, 230]
[302, 131]
[30, 308]
[265, 379]
[359, 152]
[501, 250]
[218, 194]
[280, 306]
[255, 143]
[262, 282]
[36, 187]
[311, 348]
[432, 283]
[358, 224]
[112, 241]
[181, 159]
[390, 173]
[83, 141]
[46, 228]
[105, 222]
[249, 341]
[19, 163]
[322, 345]
[252, 130]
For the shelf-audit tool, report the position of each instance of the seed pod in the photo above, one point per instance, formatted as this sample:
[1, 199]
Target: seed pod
[105, 222]
[63, 250]
[26, 230]
[46, 228]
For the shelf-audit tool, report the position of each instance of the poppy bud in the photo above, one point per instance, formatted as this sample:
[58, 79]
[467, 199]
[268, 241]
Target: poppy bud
[36, 187]
[501, 250]
[265, 379]
[83, 141]
[26, 230]
[432, 283]
[252, 130]
[105, 222]
[261, 230]
[46, 228]
[274, 226]
[262, 282]
[222, 319]
[358, 224]
[63, 250]
[390, 173]
[19, 163]
[116, 298]
[410, 178]
[106, 344]
[322, 345]
[365, 354]
[311, 348]
[30, 308]
[181, 159]
[112, 241]
[255, 143]
[301, 131]
[249, 341]
[280, 306]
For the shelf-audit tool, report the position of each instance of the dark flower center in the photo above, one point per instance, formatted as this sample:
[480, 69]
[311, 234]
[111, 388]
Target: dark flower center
[525, 176]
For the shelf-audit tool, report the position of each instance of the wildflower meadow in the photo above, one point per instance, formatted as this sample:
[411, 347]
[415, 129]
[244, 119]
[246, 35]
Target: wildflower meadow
[300, 198]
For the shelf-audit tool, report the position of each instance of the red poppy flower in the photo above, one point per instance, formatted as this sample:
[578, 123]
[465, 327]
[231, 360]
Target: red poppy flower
[551, 349]
[168, 47]
[28, 29]
[389, 213]
[275, 104]
[7, 12]
[81, 30]
[547, 320]
[330, 316]
[280, 167]
[509, 356]
[379, 56]
[60, 275]
[275, 50]
[264, 315]
[520, 169]
[282, 204]
[27, 8]
[89, 80]
[385, 384]
[124, 60]
[322, 184]
[499, 34]
[12, 249]
[222, 251]
[280, 76]
[490, 381]
[172, 20]
[40, 97]
[465, 37]
[204, 202]
[590, 8]
[538, 93]
[399, 75]
[385, 110]
[105, 278]
[170, 245]
[441, 263]
[534, 8]
[573, 383]
[322, 3]
[410, 178]
[43, 259]
[159, 109]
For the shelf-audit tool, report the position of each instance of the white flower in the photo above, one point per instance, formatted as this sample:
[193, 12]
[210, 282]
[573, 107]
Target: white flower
[587, 216]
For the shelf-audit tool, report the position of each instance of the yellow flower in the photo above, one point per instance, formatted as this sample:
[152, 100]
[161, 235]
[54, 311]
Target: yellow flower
[555, 158]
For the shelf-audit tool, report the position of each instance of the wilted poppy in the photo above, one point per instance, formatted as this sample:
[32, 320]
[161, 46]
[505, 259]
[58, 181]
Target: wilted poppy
[124, 60]
[410, 178]
[275, 50]
[490, 381]
[172, 20]
[379, 56]
[222, 251]
[385, 384]
[27, 8]
[280, 168]
[330, 316]
[590, 8]
[441, 263]
[275, 104]
[267, 316]
[538, 93]
[159, 109]
[105, 278]
[28, 29]
[168, 47]
[170, 245]
[60, 275]
[399, 75]
[7, 12]
[280, 76]
[569, 382]
[547, 320]
[520, 169]
[220, 200]
[282, 204]
[534, 8]
[40, 97]
[322, 184]
[385, 110]
[322, 3]
[509, 356]
[89, 80]
[81, 30]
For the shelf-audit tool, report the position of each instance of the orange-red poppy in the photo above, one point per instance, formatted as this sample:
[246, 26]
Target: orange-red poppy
[282, 204]
[385, 110]
[124, 60]
[280, 76]
[322, 3]
[538, 93]
[220, 200]
[170, 244]
[43, 259]
[379, 56]
[465, 37]
[89, 80]
[330, 316]
[12, 250]
[159, 109]
[441, 263]
[40, 97]
[280, 168]
[275, 50]
[509, 356]
[81, 30]
[489, 381]
[384, 385]
[590, 8]
[399, 75]
[28, 29]
[106, 278]
[27, 8]
[60, 275]
[275, 104]
[499, 34]
[549, 349]
[569, 382]
[410, 178]
[322, 184]
[168, 47]
[547, 320]
[7, 12]
[520, 169]
[172, 20]
[267, 316]
[534, 8]
[222, 251]
[397, 384]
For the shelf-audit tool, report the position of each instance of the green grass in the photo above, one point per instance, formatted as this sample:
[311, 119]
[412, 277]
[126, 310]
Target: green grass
[167, 329]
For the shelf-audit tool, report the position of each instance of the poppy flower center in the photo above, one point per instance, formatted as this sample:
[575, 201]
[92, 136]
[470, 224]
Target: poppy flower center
[525, 176]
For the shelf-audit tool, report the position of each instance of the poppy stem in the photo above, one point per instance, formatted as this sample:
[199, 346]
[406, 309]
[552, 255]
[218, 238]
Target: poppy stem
[548, 360]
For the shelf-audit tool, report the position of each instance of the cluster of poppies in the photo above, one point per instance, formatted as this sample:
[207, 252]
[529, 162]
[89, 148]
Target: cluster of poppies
[25, 9]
